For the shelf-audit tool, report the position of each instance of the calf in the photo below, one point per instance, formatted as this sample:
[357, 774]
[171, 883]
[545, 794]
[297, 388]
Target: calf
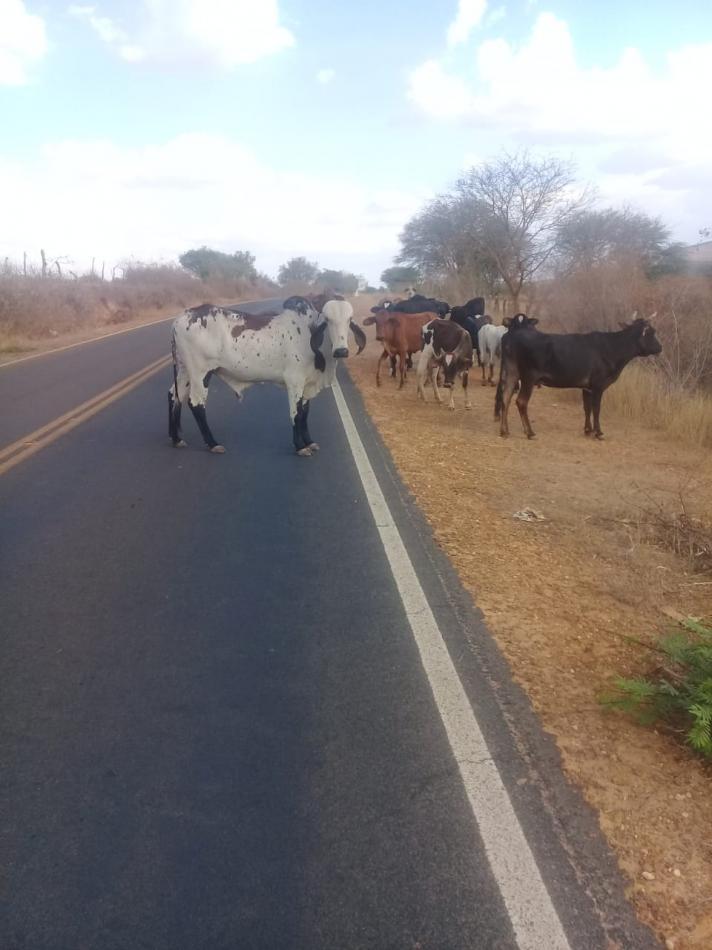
[489, 341]
[297, 348]
[400, 335]
[586, 361]
[448, 347]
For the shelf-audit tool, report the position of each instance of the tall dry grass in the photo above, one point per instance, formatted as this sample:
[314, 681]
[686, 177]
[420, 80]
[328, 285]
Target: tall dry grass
[643, 395]
[34, 308]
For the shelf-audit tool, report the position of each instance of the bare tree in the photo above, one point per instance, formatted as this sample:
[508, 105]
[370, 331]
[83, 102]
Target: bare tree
[519, 205]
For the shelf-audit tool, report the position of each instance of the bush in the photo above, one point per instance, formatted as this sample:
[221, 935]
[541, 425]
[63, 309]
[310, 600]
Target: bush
[678, 691]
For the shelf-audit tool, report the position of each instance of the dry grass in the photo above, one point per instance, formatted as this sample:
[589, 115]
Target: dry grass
[643, 395]
[35, 311]
[558, 594]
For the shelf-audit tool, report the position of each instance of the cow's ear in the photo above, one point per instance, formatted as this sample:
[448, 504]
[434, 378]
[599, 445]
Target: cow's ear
[359, 335]
[507, 322]
[369, 321]
[533, 321]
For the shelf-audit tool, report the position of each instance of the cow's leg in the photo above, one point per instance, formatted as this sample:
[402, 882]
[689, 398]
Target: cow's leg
[525, 393]
[401, 364]
[296, 414]
[505, 391]
[197, 399]
[392, 373]
[434, 380]
[596, 397]
[484, 381]
[174, 412]
[420, 375]
[465, 389]
[491, 373]
[587, 429]
[306, 438]
[176, 396]
[382, 357]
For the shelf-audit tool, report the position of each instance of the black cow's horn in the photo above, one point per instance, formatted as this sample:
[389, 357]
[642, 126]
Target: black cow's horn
[359, 335]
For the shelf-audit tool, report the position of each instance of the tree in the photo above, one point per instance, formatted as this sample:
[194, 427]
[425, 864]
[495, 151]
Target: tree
[394, 277]
[342, 282]
[591, 238]
[515, 208]
[298, 270]
[204, 262]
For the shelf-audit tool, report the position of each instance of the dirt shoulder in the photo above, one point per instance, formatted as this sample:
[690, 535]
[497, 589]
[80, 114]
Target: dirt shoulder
[557, 595]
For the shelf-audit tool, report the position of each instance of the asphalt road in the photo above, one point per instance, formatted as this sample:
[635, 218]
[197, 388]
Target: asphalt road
[216, 731]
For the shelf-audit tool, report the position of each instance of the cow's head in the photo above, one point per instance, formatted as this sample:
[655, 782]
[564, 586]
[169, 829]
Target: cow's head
[379, 318]
[519, 321]
[339, 319]
[300, 305]
[643, 333]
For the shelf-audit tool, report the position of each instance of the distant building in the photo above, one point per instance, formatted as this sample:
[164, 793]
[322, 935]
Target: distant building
[699, 256]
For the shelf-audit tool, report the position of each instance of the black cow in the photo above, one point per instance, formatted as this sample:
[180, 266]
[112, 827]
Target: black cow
[471, 316]
[586, 361]
[420, 304]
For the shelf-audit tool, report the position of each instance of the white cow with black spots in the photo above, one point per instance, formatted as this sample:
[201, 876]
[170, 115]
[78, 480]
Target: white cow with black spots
[297, 348]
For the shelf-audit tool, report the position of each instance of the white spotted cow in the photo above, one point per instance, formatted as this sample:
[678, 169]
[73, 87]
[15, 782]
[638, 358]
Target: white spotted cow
[297, 348]
[489, 343]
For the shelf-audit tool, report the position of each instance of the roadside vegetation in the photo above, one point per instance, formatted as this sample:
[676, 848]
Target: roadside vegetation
[40, 303]
[677, 691]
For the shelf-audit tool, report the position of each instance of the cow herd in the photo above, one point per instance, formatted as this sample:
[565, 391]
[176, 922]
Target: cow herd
[299, 346]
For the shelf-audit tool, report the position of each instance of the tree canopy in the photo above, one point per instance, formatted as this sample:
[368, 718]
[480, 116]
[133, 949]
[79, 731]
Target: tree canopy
[205, 262]
[392, 277]
[298, 270]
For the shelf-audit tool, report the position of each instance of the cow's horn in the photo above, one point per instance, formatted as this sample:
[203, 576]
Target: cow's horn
[359, 335]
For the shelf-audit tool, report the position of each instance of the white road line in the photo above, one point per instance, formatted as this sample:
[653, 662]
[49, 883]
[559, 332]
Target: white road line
[534, 919]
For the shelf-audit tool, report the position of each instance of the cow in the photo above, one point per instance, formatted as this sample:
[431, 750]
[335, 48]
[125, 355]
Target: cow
[400, 335]
[448, 347]
[471, 316]
[297, 348]
[587, 361]
[420, 304]
[489, 339]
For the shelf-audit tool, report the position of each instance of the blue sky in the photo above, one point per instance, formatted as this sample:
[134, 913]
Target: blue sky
[139, 129]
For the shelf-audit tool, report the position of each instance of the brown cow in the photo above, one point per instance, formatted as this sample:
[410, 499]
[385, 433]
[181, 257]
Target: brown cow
[400, 335]
[446, 346]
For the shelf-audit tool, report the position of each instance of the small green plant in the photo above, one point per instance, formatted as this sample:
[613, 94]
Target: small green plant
[678, 691]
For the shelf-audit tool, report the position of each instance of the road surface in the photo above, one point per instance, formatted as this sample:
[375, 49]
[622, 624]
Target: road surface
[245, 702]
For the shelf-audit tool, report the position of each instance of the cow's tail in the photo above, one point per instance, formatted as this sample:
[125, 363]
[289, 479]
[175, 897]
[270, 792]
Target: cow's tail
[174, 354]
[499, 395]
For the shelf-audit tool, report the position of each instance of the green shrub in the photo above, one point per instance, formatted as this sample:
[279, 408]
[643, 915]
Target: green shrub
[678, 691]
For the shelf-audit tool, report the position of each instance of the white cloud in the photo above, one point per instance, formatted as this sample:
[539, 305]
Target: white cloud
[469, 15]
[23, 42]
[539, 89]
[499, 13]
[226, 33]
[325, 76]
[99, 199]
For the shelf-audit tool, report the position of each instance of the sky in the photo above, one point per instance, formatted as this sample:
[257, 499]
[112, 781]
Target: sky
[137, 129]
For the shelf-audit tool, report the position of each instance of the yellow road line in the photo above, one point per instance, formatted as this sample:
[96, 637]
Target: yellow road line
[28, 445]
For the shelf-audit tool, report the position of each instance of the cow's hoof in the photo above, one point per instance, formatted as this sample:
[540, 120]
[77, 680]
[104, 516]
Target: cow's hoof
[468, 407]
[218, 450]
[588, 431]
[484, 382]
[314, 446]
[304, 453]
[180, 444]
[451, 408]
[599, 435]
[531, 435]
